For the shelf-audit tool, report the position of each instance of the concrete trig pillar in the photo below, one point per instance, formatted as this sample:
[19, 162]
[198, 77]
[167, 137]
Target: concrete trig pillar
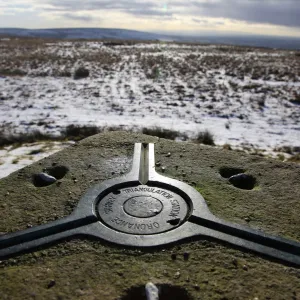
[166, 219]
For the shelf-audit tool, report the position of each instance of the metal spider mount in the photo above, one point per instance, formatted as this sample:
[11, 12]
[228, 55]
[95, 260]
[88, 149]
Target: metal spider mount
[146, 209]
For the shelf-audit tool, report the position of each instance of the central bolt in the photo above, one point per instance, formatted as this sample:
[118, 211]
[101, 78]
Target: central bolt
[143, 206]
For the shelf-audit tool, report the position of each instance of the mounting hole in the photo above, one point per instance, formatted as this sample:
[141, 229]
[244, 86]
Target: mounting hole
[227, 172]
[166, 292]
[174, 222]
[49, 176]
[42, 179]
[117, 192]
[243, 181]
[58, 172]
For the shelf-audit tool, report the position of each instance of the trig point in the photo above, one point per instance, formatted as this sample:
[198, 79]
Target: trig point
[116, 211]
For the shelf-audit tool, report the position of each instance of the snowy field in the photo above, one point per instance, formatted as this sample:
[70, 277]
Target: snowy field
[248, 98]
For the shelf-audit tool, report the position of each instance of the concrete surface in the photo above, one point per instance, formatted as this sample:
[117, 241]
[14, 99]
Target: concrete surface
[93, 269]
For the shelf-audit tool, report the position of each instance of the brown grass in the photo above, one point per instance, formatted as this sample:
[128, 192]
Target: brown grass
[77, 132]
[21, 53]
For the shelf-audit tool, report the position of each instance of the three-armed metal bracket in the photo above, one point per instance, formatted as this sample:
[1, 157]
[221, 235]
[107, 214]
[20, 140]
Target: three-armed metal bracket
[146, 209]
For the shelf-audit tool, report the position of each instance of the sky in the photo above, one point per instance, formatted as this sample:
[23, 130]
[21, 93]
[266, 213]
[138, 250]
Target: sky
[265, 17]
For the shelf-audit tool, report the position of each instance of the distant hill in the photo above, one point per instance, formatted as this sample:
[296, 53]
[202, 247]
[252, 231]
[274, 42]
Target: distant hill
[123, 34]
[81, 33]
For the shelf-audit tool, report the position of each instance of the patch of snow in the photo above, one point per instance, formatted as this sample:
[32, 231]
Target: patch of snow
[13, 159]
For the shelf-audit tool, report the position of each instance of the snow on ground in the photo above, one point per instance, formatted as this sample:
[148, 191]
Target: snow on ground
[14, 158]
[241, 95]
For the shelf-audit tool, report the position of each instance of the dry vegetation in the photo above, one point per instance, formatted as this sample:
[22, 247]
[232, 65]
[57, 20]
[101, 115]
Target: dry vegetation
[28, 56]
[76, 133]
[189, 80]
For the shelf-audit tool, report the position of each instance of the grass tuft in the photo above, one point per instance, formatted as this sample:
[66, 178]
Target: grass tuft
[81, 72]
[162, 133]
[205, 137]
[295, 158]
[296, 99]
[10, 139]
[77, 132]
[12, 72]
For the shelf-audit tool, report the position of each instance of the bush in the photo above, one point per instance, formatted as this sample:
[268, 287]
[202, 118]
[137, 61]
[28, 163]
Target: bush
[81, 72]
[64, 74]
[32, 137]
[205, 137]
[296, 99]
[12, 72]
[295, 158]
[155, 72]
[261, 102]
[76, 132]
[162, 133]
[71, 132]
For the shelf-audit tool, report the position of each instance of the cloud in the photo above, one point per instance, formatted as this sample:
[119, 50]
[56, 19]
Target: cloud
[202, 22]
[209, 23]
[274, 12]
[13, 6]
[149, 12]
[137, 8]
[130, 6]
[285, 12]
[76, 17]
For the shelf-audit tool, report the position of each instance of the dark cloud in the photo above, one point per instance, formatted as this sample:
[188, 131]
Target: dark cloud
[74, 5]
[77, 17]
[133, 7]
[207, 23]
[285, 12]
[276, 12]
[150, 12]
[204, 22]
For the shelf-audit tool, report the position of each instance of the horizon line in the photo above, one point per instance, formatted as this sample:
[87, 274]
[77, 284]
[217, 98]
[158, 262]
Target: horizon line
[172, 33]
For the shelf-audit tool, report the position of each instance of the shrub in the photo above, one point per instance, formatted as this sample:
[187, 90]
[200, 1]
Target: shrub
[261, 102]
[251, 86]
[205, 137]
[227, 147]
[295, 158]
[12, 72]
[10, 138]
[155, 72]
[71, 132]
[81, 72]
[64, 74]
[296, 99]
[162, 133]
[77, 132]
[285, 149]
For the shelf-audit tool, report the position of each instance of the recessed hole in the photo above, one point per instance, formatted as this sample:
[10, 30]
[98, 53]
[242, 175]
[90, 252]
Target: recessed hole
[174, 222]
[117, 192]
[166, 292]
[58, 172]
[243, 181]
[228, 172]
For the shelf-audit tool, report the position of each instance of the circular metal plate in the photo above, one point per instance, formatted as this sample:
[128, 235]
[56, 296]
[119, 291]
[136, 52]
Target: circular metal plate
[143, 210]
[143, 206]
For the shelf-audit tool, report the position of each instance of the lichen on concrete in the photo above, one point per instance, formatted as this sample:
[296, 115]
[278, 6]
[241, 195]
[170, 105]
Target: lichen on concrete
[93, 269]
